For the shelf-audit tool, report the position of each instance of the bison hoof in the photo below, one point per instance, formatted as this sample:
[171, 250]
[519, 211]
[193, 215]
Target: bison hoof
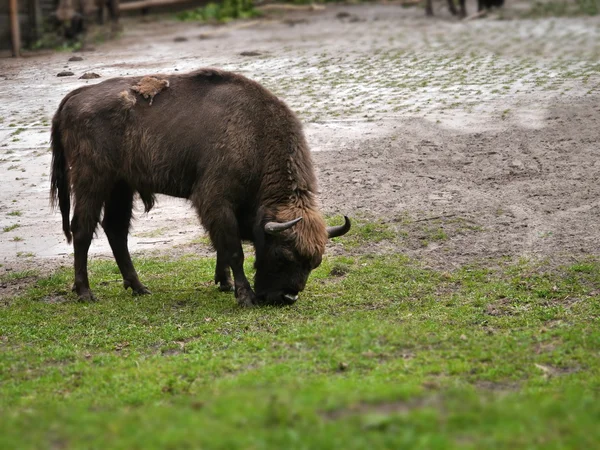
[86, 297]
[136, 288]
[143, 290]
[83, 294]
[246, 298]
[226, 287]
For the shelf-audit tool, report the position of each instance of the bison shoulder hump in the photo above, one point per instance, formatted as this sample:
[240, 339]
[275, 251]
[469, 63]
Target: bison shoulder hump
[106, 98]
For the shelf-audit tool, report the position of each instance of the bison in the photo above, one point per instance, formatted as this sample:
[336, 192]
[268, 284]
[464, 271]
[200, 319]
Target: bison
[216, 138]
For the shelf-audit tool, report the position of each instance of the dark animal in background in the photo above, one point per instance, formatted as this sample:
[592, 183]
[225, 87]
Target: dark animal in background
[451, 7]
[216, 138]
[489, 4]
[462, 12]
[75, 16]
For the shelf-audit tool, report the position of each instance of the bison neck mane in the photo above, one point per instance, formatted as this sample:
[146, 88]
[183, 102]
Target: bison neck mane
[289, 191]
[287, 185]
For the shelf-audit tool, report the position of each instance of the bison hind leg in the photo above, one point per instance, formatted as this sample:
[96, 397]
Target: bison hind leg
[116, 222]
[84, 223]
[223, 275]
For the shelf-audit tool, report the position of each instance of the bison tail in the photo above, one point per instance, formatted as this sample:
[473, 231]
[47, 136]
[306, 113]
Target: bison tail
[60, 185]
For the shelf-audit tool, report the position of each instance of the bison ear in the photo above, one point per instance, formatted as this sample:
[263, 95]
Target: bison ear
[340, 230]
[277, 227]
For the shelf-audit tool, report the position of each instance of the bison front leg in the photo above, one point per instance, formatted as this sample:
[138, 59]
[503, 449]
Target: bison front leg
[223, 275]
[84, 222]
[243, 292]
[222, 227]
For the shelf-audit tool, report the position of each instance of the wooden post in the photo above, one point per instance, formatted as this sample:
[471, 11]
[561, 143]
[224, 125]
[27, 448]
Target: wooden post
[14, 28]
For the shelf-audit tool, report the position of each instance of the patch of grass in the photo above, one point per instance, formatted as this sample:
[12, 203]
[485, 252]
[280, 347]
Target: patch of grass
[54, 41]
[8, 228]
[153, 233]
[203, 239]
[366, 231]
[389, 355]
[25, 254]
[15, 213]
[19, 275]
[561, 8]
[221, 12]
[17, 239]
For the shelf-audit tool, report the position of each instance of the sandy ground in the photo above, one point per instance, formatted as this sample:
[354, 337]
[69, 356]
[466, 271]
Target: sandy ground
[487, 130]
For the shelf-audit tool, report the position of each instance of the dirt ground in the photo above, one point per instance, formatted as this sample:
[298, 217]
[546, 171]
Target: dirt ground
[487, 129]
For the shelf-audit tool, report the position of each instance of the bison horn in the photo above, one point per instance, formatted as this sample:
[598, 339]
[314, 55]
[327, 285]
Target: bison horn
[339, 230]
[277, 227]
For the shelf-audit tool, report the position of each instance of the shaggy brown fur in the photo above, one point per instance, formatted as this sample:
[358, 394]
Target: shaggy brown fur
[216, 138]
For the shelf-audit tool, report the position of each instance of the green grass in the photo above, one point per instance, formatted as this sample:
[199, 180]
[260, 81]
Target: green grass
[379, 352]
[560, 8]
[365, 231]
[220, 12]
[8, 228]
[13, 276]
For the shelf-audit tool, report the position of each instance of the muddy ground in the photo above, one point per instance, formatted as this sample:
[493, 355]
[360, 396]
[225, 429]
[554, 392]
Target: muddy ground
[471, 140]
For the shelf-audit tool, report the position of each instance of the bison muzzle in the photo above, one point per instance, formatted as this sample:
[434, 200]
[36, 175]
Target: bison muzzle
[216, 138]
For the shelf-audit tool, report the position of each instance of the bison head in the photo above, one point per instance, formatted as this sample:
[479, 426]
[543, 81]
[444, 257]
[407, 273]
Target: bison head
[284, 259]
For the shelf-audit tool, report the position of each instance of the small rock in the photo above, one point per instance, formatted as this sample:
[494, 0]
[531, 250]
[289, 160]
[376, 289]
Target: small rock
[293, 22]
[517, 164]
[463, 337]
[180, 39]
[75, 58]
[342, 15]
[250, 53]
[89, 75]
[342, 367]
[65, 73]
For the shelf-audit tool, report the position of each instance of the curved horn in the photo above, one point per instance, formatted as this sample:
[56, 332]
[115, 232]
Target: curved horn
[339, 230]
[276, 227]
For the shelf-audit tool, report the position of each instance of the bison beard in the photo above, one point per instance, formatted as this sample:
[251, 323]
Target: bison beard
[213, 137]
